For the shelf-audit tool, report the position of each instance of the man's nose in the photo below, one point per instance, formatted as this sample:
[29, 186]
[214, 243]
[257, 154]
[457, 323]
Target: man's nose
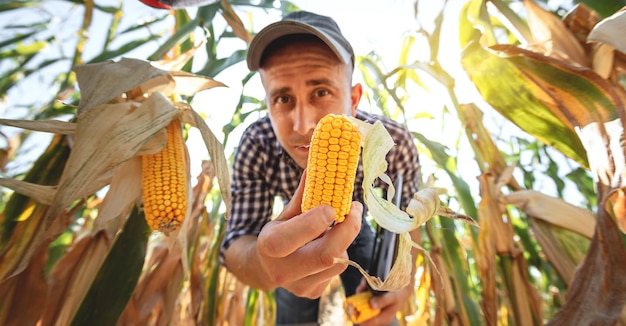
[304, 119]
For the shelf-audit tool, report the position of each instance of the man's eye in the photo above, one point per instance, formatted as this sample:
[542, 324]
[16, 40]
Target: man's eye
[282, 99]
[321, 93]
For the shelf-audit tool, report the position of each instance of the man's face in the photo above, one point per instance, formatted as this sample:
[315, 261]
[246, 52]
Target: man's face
[303, 83]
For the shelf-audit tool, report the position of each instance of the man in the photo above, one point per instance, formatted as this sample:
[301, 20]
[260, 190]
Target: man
[306, 68]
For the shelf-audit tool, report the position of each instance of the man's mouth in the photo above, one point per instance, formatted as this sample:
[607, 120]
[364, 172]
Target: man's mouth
[303, 147]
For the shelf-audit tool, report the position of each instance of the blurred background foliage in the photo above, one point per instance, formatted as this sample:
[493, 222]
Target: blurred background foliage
[509, 136]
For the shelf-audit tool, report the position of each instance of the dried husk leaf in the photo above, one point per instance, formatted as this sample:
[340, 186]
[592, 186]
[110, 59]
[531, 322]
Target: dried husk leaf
[602, 60]
[182, 235]
[564, 250]
[154, 144]
[377, 143]
[102, 82]
[551, 37]
[189, 84]
[23, 295]
[72, 276]
[610, 31]
[235, 23]
[553, 210]
[488, 245]
[107, 136]
[53, 126]
[178, 61]
[175, 83]
[400, 273]
[157, 290]
[124, 191]
[500, 242]
[42, 194]
[215, 149]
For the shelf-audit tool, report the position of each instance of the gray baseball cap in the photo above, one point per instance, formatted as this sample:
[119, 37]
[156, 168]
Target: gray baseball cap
[301, 22]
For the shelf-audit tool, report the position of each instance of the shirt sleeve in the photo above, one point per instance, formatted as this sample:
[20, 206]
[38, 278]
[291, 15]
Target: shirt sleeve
[252, 198]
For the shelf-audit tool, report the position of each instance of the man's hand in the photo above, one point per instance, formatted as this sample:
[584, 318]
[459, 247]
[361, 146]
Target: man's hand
[389, 304]
[296, 251]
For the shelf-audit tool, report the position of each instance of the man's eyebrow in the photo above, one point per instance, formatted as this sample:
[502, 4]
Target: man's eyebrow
[310, 82]
[282, 90]
[319, 81]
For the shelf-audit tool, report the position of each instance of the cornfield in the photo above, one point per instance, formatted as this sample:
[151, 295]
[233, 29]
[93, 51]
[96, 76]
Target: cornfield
[536, 157]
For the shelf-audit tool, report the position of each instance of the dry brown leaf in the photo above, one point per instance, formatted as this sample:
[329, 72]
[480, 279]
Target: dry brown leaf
[216, 152]
[490, 224]
[580, 21]
[24, 295]
[610, 31]
[552, 210]
[235, 23]
[602, 59]
[42, 194]
[102, 82]
[400, 273]
[553, 249]
[154, 144]
[72, 275]
[156, 292]
[179, 61]
[551, 37]
[189, 84]
[124, 191]
[53, 126]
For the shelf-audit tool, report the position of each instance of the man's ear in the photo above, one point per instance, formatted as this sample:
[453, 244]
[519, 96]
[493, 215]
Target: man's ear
[355, 97]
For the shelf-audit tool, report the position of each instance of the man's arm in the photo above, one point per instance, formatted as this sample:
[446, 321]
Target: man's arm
[295, 251]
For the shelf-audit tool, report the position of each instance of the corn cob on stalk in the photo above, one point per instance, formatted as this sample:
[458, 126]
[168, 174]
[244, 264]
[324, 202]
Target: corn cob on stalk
[331, 166]
[164, 183]
[358, 308]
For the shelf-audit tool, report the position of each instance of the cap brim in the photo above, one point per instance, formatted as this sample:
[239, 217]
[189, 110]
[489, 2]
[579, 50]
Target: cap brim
[288, 27]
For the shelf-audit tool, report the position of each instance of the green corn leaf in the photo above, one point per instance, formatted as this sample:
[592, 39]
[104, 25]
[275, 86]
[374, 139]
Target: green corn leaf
[544, 97]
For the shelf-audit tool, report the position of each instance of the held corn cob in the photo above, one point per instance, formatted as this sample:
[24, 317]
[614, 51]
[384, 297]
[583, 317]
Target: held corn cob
[332, 163]
[164, 183]
[358, 308]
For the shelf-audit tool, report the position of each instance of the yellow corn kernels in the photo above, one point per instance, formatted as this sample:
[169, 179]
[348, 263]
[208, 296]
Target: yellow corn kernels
[332, 163]
[164, 183]
[358, 308]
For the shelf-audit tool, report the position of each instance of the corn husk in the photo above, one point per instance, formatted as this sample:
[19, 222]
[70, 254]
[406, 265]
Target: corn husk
[376, 143]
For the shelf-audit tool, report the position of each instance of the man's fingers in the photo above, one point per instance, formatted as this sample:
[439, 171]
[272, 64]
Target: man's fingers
[281, 238]
[342, 234]
[313, 286]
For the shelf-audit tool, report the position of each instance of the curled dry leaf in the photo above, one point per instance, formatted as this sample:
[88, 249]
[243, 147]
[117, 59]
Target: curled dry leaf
[610, 31]
[553, 210]
[551, 37]
[376, 143]
[400, 273]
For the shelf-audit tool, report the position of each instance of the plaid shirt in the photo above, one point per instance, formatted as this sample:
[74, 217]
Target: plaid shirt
[262, 170]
